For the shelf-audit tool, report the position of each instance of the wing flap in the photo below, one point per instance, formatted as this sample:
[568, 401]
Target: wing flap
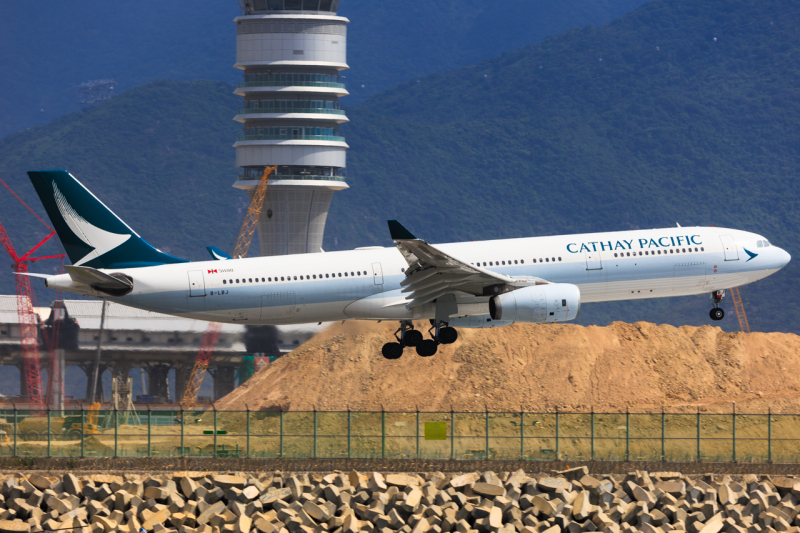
[432, 273]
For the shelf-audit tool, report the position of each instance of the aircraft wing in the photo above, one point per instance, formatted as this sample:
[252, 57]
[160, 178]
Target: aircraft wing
[433, 273]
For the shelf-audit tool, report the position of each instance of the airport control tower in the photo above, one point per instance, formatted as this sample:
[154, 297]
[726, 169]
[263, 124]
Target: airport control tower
[291, 52]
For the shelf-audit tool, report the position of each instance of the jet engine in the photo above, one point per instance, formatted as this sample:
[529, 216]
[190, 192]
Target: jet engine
[556, 302]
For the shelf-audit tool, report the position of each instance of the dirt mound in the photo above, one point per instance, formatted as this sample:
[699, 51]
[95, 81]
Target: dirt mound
[535, 367]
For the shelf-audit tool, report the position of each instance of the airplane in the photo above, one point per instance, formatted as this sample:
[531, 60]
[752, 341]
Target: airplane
[459, 285]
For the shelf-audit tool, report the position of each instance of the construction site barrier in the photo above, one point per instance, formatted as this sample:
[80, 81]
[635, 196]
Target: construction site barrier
[675, 437]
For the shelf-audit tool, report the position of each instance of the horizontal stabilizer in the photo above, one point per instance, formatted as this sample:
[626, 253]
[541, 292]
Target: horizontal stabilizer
[218, 254]
[100, 281]
[31, 275]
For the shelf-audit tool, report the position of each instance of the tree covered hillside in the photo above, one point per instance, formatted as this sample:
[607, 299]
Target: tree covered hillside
[678, 112]
[671, 126]
[47, 51]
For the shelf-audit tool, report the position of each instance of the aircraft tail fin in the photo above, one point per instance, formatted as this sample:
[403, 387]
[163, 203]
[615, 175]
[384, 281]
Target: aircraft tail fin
[92, 235]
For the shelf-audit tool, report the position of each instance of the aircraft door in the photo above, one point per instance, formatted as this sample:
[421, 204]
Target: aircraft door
[593, 261]
[728, 244]
[197, 284]
[377, 273]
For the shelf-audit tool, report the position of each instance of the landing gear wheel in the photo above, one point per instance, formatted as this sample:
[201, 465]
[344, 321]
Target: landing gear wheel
[412, 338]
[392, 350]
[427, 348]
[448, 335]
[717, 314]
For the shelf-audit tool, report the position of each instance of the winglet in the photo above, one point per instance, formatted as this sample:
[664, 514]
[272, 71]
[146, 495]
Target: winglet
[399, 233]
[218, 254]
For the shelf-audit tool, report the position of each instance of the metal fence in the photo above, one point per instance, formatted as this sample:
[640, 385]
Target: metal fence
[402, 435]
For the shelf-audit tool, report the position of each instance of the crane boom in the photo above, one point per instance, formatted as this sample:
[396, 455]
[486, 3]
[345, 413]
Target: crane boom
[252, 216]
[28, 328]
[212, 333]
[738, 306]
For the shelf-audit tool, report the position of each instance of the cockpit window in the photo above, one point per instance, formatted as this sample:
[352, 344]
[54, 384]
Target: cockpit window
[760, 244]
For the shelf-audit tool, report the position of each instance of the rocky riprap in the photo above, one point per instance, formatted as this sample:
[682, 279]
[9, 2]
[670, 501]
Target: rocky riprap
[571, 501]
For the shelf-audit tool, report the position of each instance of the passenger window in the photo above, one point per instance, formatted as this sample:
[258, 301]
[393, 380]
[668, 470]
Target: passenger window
[615, 255]
[352, 274]
[522, 261]
[295, 278]
[547, 259]
[250, 280]
[270, 279]
[345, 274]
[702, 249]
[237, 281]
[559, 259]
[534, 260]
[696, 250]
[301, 278]
[224, 282]
[281, 278]
[515, 262]
[640, 254]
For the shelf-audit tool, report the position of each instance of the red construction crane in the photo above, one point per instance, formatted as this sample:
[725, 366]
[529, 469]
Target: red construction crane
[26, 302]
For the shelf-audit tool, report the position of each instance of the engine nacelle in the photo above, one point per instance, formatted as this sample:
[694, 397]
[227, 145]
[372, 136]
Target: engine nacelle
[557, 302]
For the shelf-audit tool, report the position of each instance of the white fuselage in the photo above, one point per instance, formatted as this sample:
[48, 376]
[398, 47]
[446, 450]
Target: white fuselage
[365, 284]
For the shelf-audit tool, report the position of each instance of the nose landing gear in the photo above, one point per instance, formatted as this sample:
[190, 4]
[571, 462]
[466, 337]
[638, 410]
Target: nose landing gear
[717, 313]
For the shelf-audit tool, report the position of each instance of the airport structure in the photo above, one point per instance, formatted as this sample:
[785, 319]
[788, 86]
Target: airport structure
[131, 339]
[291, 52]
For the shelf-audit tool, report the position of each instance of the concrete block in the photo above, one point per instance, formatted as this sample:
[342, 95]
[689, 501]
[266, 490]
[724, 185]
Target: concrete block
[464, 480]
[488, 490]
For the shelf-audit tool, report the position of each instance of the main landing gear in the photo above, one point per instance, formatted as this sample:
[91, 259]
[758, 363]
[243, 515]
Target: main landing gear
[717, 313]
[409, 337]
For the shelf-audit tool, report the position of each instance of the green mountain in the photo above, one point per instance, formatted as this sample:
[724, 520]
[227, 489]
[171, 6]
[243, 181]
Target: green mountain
[675, 113]
[46, 52]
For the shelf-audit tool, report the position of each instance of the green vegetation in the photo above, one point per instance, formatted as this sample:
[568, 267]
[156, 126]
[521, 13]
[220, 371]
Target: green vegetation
[671, 126]
[51, 49]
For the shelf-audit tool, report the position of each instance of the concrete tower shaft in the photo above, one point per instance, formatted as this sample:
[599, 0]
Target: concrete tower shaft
[291, 52]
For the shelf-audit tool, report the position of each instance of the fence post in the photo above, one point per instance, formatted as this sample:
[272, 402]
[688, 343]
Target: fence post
[452, 433]
[663, 436]
[627, 434]
[248, 430]
[83, 432]
[215, 429]
[592, 420]
[769, 435]
[558, 449]
[522, 435]
[49, 432]
[315, 432]
[417, 431]
[487, 432]
[280, 452]
[16, 427]
[116, 432]
[383, 433]
[183, 426]
[149, 432]
[349, 432]
[698, 434]
[734, 432]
